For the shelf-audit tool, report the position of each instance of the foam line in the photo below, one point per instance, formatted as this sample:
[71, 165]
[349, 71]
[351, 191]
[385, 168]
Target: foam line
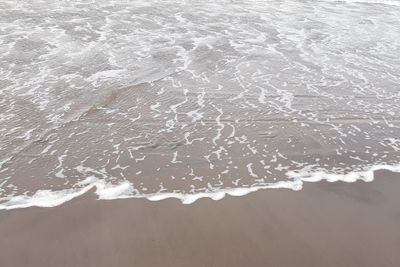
[48, 198]
[384, 2]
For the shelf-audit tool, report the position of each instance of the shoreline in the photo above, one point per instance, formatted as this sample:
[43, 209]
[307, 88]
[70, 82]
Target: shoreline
[124, 190]
[343, 224]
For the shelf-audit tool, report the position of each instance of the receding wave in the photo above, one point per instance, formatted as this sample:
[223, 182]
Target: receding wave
[192, 99]
[104, 191]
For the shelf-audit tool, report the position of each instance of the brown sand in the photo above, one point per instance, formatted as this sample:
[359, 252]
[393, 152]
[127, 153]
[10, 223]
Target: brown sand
[322, 225]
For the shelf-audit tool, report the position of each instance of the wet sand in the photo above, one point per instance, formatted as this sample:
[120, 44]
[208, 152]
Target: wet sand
[325, 224]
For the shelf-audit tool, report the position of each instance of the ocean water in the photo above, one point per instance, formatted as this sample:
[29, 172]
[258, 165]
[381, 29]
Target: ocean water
[192, 99]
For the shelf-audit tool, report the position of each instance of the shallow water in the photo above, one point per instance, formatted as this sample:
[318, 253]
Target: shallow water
[191, 99]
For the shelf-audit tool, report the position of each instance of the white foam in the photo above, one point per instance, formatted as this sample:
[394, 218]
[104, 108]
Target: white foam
[42, 198]
[125, 189]
[48, 198]
[122, 190]
[384, 2]
[367, 175]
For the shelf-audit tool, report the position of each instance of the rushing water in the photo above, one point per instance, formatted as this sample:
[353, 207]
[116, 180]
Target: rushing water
[190, 99]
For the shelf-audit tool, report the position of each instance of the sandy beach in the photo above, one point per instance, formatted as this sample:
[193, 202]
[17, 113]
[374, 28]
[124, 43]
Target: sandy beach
[325, 224]
[199, 133]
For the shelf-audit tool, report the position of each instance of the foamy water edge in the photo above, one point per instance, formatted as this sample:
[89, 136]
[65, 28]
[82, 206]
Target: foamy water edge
[125, 189]
[378, 2]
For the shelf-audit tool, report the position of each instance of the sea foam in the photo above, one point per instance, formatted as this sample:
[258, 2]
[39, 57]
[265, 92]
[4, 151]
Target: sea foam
[384, 2]
[125, 189]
